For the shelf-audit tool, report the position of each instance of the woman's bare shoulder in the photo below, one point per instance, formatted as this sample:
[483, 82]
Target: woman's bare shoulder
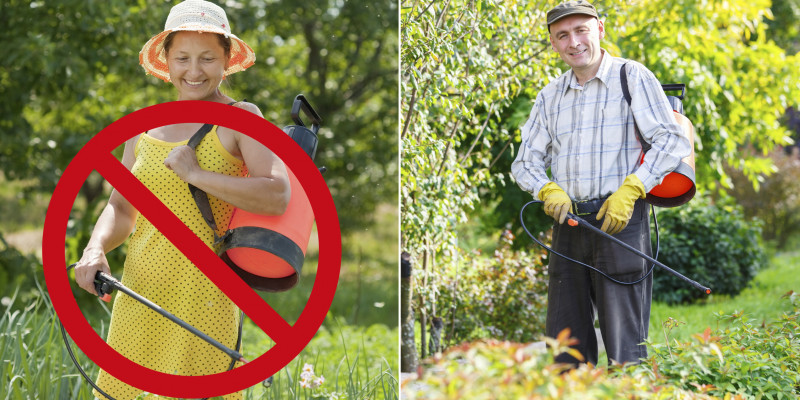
[247, 106]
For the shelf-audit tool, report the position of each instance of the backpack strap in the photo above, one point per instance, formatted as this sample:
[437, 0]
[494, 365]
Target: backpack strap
[200, 197]
[623, 77]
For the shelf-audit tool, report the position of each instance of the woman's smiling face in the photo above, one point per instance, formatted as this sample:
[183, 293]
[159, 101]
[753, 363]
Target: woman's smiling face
[197, 63]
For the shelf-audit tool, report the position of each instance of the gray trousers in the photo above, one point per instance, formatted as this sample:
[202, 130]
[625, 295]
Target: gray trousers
[576, 292]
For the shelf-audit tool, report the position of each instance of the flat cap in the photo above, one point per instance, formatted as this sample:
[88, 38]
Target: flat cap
[570, 8]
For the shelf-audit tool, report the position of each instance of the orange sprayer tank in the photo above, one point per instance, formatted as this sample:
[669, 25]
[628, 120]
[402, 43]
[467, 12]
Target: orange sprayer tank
[680, 182]
[295, 224]
[678, 187]
[267, 252]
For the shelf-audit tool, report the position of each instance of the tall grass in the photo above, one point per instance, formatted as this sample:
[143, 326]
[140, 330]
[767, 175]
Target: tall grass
[35, 363]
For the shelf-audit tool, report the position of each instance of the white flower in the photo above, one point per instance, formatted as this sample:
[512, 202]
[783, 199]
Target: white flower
[305, 384]
[308, 368]
[319, 381]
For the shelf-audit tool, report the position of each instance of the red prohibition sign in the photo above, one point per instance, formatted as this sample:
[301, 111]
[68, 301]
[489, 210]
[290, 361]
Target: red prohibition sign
[290, 340]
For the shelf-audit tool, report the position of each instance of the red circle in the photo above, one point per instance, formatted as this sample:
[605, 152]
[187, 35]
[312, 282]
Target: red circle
[299, 334]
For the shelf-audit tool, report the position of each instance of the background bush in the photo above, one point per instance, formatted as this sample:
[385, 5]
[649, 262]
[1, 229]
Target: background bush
[17, 276]
[777, 201]
[503, 296]
[710, 244]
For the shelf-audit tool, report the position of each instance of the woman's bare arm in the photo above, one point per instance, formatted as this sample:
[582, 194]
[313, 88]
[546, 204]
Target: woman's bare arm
[113, 226]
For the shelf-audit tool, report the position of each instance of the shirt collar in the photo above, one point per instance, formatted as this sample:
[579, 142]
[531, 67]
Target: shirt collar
[603, 73]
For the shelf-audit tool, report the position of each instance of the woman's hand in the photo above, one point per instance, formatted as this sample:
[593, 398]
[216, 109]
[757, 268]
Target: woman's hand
[183, 162]
[93, 260]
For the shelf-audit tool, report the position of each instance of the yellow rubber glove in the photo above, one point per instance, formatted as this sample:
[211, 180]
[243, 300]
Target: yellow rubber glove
[618, 208]
[556, 201]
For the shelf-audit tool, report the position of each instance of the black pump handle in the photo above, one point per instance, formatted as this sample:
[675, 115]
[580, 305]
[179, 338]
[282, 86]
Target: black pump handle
[675, 86]
[300, 103]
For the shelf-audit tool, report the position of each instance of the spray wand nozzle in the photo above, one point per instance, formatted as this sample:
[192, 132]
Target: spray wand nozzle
[574, 220]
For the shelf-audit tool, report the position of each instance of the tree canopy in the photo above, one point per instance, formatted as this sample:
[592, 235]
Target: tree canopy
[71, 68]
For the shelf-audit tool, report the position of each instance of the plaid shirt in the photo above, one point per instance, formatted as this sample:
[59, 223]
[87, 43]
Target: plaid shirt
[585, 134]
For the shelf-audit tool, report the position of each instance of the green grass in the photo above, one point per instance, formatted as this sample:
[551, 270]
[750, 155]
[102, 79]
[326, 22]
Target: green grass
[356, 349]
[357, 362]
[761, 301]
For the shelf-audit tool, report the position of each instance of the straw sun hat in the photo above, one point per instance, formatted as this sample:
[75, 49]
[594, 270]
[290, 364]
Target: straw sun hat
[198, 16]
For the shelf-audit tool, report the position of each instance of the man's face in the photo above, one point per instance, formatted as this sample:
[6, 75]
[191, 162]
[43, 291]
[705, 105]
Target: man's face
[576, 39]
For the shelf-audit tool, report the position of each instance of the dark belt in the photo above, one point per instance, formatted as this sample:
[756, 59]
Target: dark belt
[587, 207]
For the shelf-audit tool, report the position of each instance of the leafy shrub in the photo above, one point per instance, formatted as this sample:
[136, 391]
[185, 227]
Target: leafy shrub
[777, 201]
[753, 360]
[710, 244]
[740, 361]
[502, 297]
[503, 370]
[17, 276]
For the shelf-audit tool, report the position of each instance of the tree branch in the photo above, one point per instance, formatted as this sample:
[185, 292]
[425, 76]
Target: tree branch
[408, 114]
[474, 142]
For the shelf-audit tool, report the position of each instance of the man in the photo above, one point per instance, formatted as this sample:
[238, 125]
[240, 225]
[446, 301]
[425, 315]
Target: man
[582, 128]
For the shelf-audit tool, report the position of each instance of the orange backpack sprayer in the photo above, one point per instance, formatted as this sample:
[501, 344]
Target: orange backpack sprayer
[678, 187]
[267, 252]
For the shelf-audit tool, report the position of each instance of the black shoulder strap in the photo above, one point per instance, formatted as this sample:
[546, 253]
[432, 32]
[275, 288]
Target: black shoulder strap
[199, 135]
[200, 197]
[623, 77]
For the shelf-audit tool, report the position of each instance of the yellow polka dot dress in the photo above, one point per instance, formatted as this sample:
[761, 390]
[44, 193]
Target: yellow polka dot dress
[157, 270]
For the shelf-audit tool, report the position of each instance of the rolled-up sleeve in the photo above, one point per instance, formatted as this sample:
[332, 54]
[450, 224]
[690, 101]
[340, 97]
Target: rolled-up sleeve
[529, 168]
[656, 122]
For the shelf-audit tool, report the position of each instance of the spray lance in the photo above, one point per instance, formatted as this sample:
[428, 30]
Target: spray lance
[576, 221]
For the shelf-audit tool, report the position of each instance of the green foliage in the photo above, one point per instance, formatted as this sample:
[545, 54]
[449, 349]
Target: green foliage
[753, 359]
[501, 295]
[712, 245]
[739, 82]
[501, 370]
[19, 208]
[743, 360]
[71, 68]
[776, 203]
[783, 27]
[357, 362]
[34, 361]
[17, 276]
[463, 62]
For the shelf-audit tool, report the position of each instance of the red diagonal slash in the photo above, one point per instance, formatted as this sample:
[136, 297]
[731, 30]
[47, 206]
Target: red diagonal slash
[195, 250]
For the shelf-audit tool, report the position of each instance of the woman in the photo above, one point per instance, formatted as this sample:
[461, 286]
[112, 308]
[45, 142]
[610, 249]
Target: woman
[194, 53]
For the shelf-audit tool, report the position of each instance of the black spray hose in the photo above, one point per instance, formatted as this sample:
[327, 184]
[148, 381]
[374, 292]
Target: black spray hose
[574, 220]
[105, 284]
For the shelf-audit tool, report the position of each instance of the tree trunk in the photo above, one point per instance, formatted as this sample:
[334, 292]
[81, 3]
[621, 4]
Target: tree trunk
[423, 315]
[408, 347]
[437, 325]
